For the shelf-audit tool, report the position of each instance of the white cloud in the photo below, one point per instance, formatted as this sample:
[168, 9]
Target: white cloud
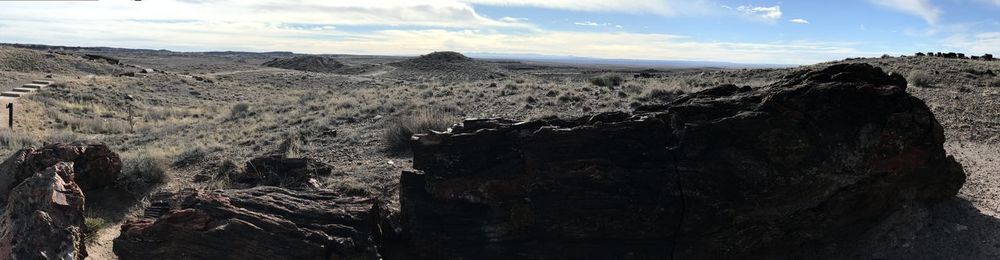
[657, 7]
[587, 23]
[922, 8]
[513, 19]
[402, 28]
[979, 43]
[434, 13]
[768, 14]
[799, 21]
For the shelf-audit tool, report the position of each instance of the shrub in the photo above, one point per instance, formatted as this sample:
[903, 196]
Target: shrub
[142, 173]
[920, 79]
[239, 110]
[607, 80]
[399, 131]
[91, 226]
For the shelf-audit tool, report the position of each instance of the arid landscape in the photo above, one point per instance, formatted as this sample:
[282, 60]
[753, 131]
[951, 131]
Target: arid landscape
[184, 120]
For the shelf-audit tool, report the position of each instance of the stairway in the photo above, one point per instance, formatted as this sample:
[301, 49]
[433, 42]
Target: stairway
[27, 89]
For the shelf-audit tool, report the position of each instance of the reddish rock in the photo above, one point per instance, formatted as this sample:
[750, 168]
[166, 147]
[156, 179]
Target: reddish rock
[44, 217]
[258, 223]
[726, 173]
[95, 165]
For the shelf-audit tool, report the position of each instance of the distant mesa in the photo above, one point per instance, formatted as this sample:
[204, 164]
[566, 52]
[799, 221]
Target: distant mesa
[311, 63]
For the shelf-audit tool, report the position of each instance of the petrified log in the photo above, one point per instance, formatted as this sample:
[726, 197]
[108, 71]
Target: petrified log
[94, 165]
[724, 173]
[260, 223]
[44, 217]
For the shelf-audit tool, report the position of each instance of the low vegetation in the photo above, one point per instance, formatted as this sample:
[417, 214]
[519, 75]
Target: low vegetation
[920, 79]
[398, 131]
[607, 80]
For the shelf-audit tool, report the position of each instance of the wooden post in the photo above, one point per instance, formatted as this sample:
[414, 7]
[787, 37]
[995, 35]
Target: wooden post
[10, 116]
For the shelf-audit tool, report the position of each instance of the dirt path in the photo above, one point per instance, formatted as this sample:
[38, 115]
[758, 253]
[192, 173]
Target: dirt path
[101, 248]
[982, 166]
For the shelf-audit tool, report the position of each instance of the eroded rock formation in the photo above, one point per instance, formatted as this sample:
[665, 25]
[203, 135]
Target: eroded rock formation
[725, 173]
[43, 204]
[257, 223]
[94, 164]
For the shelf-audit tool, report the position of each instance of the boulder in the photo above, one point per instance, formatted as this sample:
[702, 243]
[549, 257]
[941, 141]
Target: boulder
[258, 223]
[726, 173]
[94, 165]
[280, 171]
[44, 217]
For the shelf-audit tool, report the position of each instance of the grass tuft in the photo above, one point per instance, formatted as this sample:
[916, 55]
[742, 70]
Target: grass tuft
[399, 131]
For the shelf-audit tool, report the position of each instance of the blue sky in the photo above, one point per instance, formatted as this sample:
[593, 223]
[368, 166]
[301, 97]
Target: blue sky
[790, 32]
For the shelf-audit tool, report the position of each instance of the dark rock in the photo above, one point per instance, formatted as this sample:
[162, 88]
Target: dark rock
[107, 59]
[95, 165]
[44, 217]
[259, 223]
[279, 171]
[726, 173]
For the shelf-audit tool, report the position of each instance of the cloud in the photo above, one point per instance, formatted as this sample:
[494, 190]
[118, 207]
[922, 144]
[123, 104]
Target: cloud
[595, 24]
[509, 19]
[394, 27]
[984, 42]
[767, 14]
[432, 13]
[799, 21]
[656, 7]
[922, 8]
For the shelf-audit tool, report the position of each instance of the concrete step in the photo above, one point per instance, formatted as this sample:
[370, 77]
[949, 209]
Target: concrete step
[24, 90]
[43, 82]
[12, 94]
[34, 86]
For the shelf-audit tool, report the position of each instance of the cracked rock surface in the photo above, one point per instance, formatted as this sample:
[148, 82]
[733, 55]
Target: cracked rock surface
[808, 162]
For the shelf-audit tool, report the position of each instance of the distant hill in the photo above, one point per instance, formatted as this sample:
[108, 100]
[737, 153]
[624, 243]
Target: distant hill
[668, 64]
[312, 63]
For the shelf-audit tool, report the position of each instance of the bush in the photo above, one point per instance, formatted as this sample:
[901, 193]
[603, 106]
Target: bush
[920, 79]
[608, 81]
[142, 173]
[239, 110]
[91, 226]
[399, 131]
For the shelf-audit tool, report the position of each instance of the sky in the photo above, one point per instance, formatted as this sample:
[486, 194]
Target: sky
[762, 32]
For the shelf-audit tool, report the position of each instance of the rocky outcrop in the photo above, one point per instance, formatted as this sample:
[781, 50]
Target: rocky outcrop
[43, 200]
[282, 172]
[258, 223]
[94, 165]
[725, 173]
[44, 217]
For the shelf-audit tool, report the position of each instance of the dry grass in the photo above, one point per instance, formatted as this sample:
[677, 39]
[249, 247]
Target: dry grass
[920, 79]
[398, 132]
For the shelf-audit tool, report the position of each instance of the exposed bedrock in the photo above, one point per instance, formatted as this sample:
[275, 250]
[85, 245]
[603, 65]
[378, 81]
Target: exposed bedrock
[264, 222]
[728, 172]
[42, 199]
